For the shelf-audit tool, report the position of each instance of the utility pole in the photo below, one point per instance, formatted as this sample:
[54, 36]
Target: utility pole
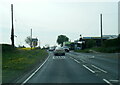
[101, 29]
[31, 39]
[39, 43]
[12, 30]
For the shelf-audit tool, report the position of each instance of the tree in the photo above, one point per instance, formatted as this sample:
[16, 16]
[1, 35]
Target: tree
[61, 39]
[28, 40]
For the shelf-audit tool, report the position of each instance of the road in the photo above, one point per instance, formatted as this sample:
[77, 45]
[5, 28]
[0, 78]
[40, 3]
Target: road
[78, 68]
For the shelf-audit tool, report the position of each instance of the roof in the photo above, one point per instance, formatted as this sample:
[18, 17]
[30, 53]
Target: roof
[94, 37]
[110, 36]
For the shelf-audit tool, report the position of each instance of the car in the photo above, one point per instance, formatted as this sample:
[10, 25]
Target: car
[59, 51]
[66, 48]
[51, 49]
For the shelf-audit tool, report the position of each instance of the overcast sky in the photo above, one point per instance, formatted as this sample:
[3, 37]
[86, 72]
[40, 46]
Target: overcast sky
[50, 18]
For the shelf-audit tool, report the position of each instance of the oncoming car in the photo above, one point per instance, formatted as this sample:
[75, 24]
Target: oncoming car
[66, 48]
[51, 49]
[59, 51]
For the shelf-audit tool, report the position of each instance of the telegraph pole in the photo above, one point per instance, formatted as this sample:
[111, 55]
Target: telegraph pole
[31, 39]
[12, 30]
[39, 43]
[101, 29]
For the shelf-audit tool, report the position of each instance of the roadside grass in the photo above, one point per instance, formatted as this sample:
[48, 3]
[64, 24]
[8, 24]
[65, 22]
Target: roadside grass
[18, 61]
[25, 48]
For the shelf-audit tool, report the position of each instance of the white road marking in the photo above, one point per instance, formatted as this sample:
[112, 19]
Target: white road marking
[53, 57]
[115, 81]
[92, 57]
[63, 57]
[99, 68]
[35, 72]
[89, 69]
[76, 61]
[71, 57]
[107, 82]
[82, 60]
[58, 57]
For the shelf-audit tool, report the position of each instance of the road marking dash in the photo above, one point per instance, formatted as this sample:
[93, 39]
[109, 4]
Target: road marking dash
[89, 69]
[76, 61]
[116, 81]
[99, 68]
[82, 60]
[71, 57]
[53, 57]
[107, 82]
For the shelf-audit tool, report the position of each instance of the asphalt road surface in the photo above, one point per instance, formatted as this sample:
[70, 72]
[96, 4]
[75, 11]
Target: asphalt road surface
[78, 68]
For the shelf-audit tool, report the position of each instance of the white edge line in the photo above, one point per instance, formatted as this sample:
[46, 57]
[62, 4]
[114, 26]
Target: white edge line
[76, 61]
[99, 69]
[89, 69]
[34, 72]
[107, 81]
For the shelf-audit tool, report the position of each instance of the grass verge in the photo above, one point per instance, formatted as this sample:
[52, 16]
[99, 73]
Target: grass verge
[16, 62]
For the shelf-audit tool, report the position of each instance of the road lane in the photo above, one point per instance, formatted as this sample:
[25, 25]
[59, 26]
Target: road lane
[107, 63]
[64, 70]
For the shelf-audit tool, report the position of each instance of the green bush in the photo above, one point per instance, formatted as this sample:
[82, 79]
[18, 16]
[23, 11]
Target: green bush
[90, 43]
[7, 48]
[112, 43]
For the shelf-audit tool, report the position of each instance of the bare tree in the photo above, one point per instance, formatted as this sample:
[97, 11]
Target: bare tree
[28, 40]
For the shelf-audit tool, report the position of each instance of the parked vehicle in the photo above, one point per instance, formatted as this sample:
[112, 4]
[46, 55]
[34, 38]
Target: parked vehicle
[59, 51]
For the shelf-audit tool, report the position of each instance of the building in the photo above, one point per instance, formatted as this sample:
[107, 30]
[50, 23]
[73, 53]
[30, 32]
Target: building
[98, 39]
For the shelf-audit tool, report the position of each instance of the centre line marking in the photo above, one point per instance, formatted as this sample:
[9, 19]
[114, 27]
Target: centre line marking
[82, 60]
[71, 57]
[76, 61]
[89, 69]
[115, 81]
[99, 69]
[53, 57]
[107, 81]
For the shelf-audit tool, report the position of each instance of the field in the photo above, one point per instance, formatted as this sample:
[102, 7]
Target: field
[18, 61]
